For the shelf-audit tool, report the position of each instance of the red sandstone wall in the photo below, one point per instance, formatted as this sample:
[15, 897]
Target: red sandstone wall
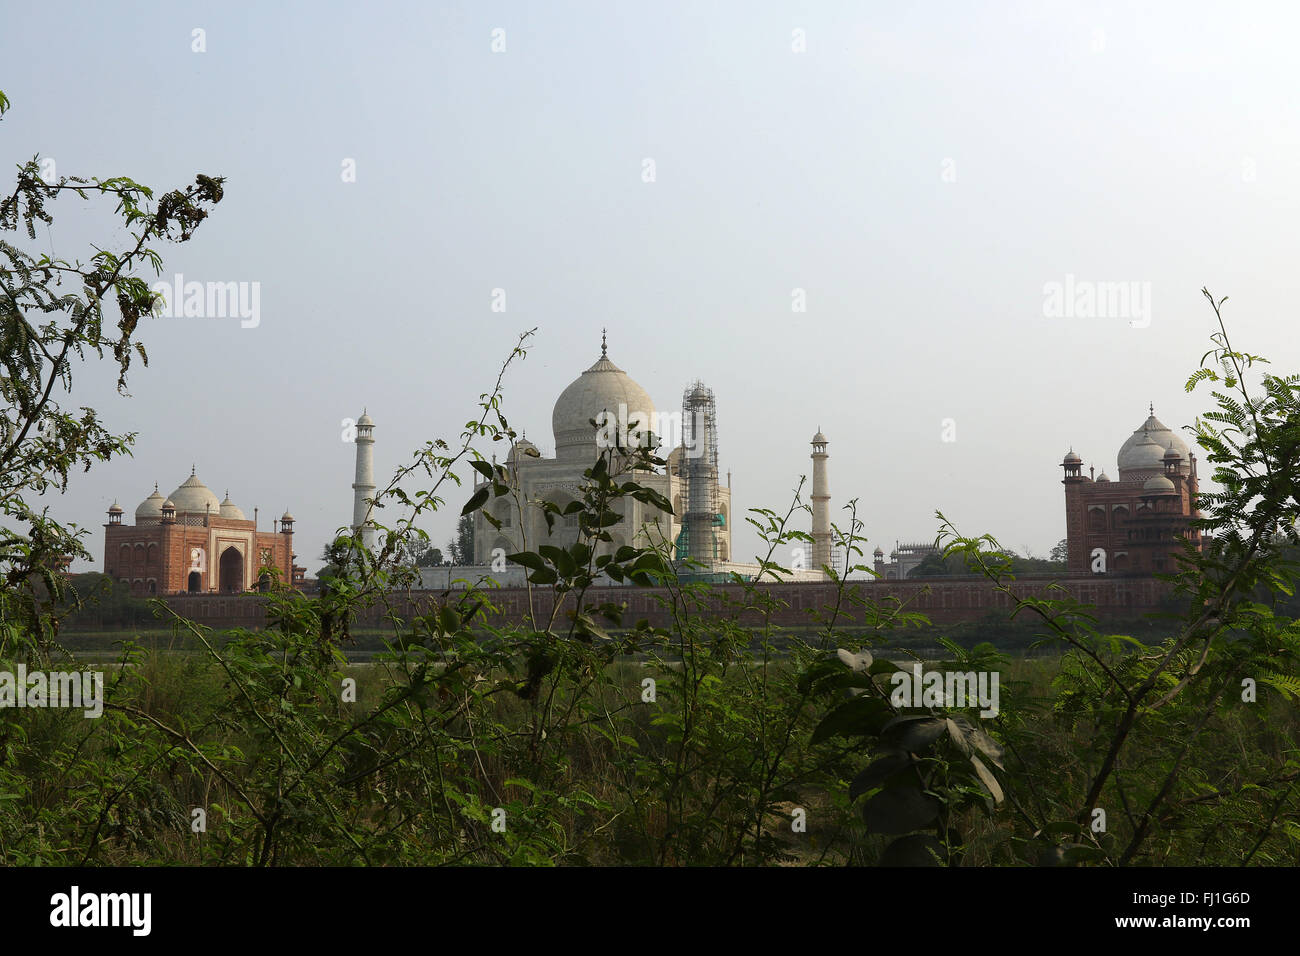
[946, 602]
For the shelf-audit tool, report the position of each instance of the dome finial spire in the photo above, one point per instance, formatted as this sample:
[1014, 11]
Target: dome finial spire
[603, 353]
[1151, 407]
[192, 471]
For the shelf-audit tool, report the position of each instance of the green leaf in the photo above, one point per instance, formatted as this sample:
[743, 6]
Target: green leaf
[886, 667]
[859, 717]
[560, 558]
[914, 733]
[879, 772]
[970, 738]
[989, 781]
[475, 502]
[1081, 853]
[528, 559]
[448, 620]
[859, 663]
[898, 810]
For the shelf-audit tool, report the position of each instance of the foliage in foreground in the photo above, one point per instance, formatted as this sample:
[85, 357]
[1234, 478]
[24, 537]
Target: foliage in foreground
[588, 737]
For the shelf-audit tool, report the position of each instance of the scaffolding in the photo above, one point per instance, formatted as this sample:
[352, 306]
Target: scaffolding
[700, 437]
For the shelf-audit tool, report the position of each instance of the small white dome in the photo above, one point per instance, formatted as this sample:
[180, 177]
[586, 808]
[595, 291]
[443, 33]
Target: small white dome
[1158, 483]
[1071, 458]
[194, 497]
[230, 510]
[523, 449]
[365, 419]
[151, 507]
[1102, 477]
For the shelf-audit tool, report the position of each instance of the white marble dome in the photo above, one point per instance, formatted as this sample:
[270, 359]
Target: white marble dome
[194, 497]
[1161, 435]
[1145, 454]
[150, 508]
[522, 450]
[230, 510]
[603, 387]
[1158, 484]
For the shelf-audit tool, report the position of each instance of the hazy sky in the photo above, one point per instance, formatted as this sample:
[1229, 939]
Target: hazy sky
[922, 172]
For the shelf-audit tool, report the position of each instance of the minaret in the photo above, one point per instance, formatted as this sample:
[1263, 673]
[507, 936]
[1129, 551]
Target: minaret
[364, 487]
[821, 504]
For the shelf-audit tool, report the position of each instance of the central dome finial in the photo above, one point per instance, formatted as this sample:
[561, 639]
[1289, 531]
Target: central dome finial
[603, 353]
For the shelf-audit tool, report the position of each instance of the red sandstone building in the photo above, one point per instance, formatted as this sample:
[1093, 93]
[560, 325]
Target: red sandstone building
[191, 542]
[1135, 524]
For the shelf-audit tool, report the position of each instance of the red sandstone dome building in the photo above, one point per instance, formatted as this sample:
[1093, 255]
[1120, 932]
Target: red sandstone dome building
[191, 542]
[1135, 524]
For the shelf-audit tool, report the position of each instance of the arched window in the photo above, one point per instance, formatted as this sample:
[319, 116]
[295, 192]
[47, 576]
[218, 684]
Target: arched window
[1096, 519]
[152, 559]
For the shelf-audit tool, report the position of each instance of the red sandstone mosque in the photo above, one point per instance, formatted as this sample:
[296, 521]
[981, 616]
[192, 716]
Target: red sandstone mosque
[1136, 523]
[191, 542]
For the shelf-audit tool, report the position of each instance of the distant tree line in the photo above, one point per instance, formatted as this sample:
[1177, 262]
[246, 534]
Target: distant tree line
[955, 565]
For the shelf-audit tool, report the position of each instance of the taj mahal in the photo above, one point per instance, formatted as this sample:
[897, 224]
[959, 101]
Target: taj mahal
[697, 533]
